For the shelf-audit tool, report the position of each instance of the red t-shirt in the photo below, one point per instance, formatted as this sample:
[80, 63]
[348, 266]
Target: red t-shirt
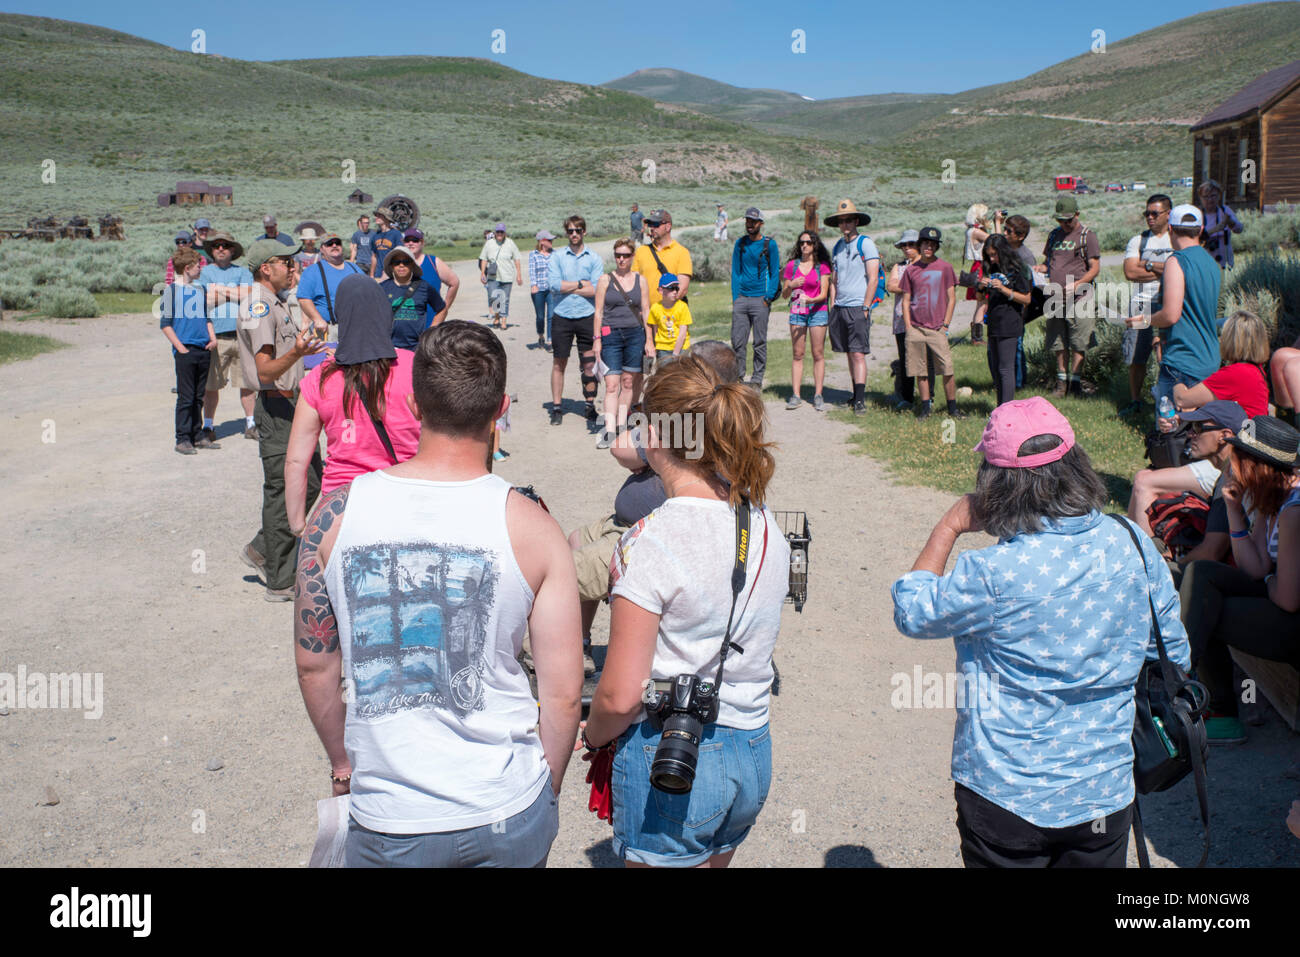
[1242, 383]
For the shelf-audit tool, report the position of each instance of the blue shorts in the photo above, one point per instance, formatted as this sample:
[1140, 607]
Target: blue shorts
[1167, 379]
[621, 349]
[821, 317]
[732, 778]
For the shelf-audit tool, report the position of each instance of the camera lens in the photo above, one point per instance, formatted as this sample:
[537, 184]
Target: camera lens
[673, 769]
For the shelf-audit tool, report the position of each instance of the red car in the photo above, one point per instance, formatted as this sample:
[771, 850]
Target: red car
[1114, 187]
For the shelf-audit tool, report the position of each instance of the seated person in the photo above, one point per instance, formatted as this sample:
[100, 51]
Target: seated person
[1254, 606]
[1284, 369]
[643, 491]
[1243, 349]
[1218, 422]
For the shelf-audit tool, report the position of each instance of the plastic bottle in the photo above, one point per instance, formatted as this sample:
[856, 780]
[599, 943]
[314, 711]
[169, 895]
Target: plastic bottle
[1167, 416]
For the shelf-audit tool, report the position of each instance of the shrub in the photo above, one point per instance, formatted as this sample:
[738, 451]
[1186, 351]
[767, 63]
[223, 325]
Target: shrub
[68, 302]
[1101, 364]
[18, 295]
[1272, 280]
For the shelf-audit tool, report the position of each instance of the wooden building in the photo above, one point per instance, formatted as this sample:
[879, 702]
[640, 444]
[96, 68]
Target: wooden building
[1259, 124]
[197, 192]
[360, 198]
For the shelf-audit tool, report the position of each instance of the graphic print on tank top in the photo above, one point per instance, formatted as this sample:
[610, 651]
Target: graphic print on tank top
[419, 614]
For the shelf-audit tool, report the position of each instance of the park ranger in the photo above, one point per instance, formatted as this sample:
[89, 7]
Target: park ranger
[271, 349]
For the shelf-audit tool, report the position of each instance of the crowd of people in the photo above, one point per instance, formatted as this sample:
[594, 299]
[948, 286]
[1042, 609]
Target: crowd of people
[410, 618]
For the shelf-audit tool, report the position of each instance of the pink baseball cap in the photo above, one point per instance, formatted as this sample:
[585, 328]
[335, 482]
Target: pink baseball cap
[1012, 423]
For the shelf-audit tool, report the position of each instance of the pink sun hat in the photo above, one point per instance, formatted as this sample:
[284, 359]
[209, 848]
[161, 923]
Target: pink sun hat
[1011, 423]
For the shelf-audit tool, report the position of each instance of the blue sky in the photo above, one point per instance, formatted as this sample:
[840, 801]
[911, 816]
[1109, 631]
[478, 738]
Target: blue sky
[851, 48]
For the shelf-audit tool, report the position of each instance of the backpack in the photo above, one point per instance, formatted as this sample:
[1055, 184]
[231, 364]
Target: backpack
[881, 273]
[1168, 450]
[1179, 521]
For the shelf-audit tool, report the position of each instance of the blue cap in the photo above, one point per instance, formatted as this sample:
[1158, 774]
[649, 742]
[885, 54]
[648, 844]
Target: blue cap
[1223, 413]
[668, 279]
[202, 224]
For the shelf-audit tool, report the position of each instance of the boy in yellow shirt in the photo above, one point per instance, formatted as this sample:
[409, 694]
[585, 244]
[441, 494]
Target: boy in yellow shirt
[668, 321]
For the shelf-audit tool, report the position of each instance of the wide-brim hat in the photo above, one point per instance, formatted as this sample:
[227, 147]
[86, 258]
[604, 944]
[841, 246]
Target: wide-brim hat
[396, 253]
[308, 234]
[909, 236]
[236, 246]
[847, 208]
[1269, 440]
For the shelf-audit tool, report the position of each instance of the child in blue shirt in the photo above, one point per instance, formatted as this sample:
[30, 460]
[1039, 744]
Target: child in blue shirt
[185, 323]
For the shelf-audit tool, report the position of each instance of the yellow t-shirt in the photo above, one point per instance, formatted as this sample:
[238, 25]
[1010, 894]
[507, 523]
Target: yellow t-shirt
[666, 322]
[676, 259]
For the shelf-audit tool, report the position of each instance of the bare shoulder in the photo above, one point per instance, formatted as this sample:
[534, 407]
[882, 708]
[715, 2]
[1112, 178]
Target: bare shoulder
[535, 537]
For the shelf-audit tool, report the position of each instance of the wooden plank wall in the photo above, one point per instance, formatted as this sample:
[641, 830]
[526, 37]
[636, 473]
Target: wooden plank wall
[1281, 178]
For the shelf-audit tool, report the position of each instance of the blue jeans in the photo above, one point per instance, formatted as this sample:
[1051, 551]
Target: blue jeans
[732, 778]
[542, 309]
[621, 349]
[1167, 379]
[498, 294]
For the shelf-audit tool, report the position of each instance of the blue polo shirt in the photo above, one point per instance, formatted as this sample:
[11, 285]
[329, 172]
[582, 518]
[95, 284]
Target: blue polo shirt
[224, 315]
[311, 287]
[566, 267]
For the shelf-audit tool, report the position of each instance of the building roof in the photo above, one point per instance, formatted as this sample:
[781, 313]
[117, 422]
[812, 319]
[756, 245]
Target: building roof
[1256, 94]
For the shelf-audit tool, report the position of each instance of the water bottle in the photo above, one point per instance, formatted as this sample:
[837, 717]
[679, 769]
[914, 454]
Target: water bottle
[1167, 417]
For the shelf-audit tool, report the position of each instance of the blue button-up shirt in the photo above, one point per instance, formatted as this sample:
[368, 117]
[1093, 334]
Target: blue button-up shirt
[1051, 629]
[566, 267]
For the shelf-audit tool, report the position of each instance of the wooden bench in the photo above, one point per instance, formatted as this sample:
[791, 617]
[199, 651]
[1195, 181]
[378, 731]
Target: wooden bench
[1278, 681]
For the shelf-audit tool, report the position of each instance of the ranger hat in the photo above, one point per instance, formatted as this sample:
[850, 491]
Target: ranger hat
[266, 249]
[845, 209]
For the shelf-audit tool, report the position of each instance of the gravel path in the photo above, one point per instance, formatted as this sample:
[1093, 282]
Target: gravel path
[121, 558]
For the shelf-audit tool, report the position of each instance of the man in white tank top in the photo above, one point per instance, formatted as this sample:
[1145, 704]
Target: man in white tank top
[416, 585]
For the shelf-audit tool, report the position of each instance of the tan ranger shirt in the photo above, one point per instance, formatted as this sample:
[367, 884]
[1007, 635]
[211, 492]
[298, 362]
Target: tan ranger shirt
[264, 320]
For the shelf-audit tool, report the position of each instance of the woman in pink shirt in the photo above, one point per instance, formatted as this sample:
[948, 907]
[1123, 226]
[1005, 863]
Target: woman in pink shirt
[358, 398]
[806, 280]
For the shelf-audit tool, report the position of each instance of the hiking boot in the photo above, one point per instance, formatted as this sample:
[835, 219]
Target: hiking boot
[251, 557]
[860, 407]
[279, 594]
[1059, 390]
[1224, 729]
[1132, 408]
[958, 414]
[819, 404]
[606, 440]
[924, 413]
[556, 417]
[1076, 389]
[186, 448]
[252, 433]
[207, 440]
[793, 402]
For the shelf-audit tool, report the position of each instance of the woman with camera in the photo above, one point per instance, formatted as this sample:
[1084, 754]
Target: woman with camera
[1220, 223]
[1051, 625]
[1006, 284]
[660, 707]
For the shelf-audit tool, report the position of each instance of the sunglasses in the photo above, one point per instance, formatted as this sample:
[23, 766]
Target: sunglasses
[413, 242]
[674, 288]
[182, 242]
[575, 232]
[222, 246]
[806, 242]
[622, 255]
[1152, 214]
[1197, 428]
[332, 242]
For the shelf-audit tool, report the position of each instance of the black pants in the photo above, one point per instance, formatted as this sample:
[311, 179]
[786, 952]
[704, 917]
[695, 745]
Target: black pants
[904, 384]
[1002, 365]
[191, 381]
[992, 836]
[1223, 606]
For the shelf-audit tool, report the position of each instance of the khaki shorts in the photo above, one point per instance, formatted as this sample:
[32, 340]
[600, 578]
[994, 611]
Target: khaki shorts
[224, 369]
[1079, 323]
[597, 542]
[928, 342]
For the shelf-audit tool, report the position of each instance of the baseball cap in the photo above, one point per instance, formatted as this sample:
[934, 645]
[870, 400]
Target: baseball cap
[1067, 207]
[268, 220]
[413, 233]
[202, 224]
[1185, 214]
[1222, 412]
[499, 228]
[183, 234]
[930, 233]
[265, 249]
[668, 279]
[1012, 423]
[328, 237]
[657, 216]
[544, 234]
[909, 236]
[754, 213]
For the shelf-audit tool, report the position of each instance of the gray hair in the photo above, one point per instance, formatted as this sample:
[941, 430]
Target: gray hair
[1011, 501]
[721, 356]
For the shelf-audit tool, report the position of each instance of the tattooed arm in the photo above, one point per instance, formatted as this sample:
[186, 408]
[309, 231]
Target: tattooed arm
[316, 635]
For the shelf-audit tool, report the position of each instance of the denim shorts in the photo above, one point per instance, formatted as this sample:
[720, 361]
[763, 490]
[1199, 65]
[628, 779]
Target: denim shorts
[732, 778]
[1166, 381]
[821, 317]
[621, 349]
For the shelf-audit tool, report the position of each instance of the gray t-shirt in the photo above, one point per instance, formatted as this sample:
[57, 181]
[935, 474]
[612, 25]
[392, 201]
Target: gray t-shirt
[641, 494]
[361, 242]
[850, 270]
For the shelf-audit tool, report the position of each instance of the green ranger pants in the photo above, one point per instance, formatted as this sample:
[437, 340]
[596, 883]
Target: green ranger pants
[273, 414]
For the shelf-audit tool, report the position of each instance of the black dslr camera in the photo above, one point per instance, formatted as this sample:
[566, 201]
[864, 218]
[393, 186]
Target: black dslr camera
[681, 707]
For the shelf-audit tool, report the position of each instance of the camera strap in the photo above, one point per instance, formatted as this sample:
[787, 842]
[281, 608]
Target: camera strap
[737, 581]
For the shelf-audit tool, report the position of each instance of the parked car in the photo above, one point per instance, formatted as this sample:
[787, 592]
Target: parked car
[1082, 187]
[1138, 186]
[1066, 182]
[1181, 181]
[1114, 187]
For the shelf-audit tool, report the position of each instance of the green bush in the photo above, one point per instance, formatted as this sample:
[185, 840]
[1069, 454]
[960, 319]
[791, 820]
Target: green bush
[1101, 364]
[68, 302]
[1272, 281]
[18, 295]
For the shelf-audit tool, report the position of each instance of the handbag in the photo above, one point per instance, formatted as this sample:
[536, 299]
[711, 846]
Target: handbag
[1168, 450]
[1169, 740]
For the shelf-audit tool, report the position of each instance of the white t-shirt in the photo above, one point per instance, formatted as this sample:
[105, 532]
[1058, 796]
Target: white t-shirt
[1159, 249]
[676, 563]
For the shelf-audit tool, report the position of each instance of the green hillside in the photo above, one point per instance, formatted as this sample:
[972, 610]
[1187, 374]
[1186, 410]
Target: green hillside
[678, 86]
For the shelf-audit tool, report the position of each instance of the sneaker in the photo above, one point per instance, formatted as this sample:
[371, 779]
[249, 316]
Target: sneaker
[903, 406]
[793, 402]
[588, 662]
[541, 342]
[279, 594]
[207, 440]
[958, 414]
[1059, 390]
[251, 433]
[606, 440]
[819, 404]
[591, 412]
[251, 557]
[186, 448]
[1076, 389]
[1132, 408]
[556, 417]
[1224, 729]
[924, 413]
[860, 407]
[756, 385]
